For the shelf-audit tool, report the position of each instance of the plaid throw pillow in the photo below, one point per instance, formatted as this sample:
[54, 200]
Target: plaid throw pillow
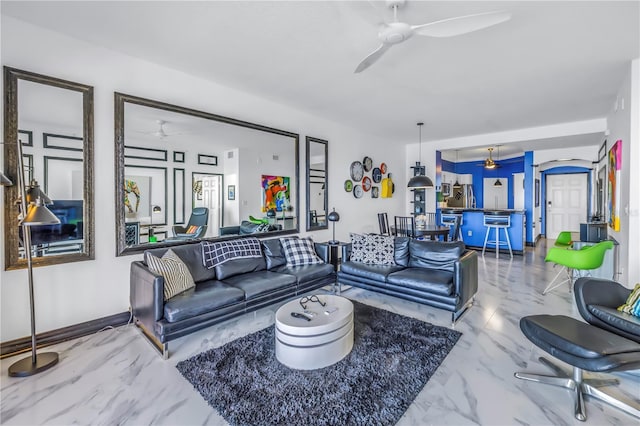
[175, 272]
[372, 249]
[632, 305]
[299, 251]
[214, 254]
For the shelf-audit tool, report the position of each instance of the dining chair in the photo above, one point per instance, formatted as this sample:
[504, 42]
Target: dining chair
[405, 226]
[383, 222]
[430, 218]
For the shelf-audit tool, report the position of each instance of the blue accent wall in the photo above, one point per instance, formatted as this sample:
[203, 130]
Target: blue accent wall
[528, 195]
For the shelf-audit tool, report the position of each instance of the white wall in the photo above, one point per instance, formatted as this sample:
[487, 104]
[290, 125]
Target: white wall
[76, 292]
[623, 122]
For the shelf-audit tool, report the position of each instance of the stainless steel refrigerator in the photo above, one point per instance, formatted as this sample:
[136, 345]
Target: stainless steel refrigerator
[462, 197]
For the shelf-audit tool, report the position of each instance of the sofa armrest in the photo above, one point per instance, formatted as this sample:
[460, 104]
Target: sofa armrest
[322, 250]
[466, 276]
[146, 295]
[346, 252]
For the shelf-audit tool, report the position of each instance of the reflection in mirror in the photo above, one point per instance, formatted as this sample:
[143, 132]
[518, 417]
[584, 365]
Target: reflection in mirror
[53, 120]
[184, 175]
[317, 195]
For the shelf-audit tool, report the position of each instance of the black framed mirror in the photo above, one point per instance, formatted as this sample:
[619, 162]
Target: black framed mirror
[53, 120]
[317, 193]
[184, 175]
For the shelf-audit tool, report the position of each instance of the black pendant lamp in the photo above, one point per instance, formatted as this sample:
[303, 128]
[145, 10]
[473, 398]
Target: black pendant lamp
[421, 181]
[497, 182]
[457, 184]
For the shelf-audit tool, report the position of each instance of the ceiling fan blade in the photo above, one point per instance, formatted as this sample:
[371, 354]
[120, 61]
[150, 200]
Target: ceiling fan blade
[462, 24]
[372, 58]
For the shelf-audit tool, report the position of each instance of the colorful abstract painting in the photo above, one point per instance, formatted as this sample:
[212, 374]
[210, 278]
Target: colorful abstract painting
[276, 193]
[613, 187]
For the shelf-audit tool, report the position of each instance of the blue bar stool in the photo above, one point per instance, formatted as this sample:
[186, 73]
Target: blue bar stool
[497, 221]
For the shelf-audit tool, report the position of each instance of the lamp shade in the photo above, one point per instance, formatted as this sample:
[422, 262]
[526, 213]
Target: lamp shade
[39, 214]
[417, 182]
[497, 182]
[5, 181]
[35, 193]
[333, 216]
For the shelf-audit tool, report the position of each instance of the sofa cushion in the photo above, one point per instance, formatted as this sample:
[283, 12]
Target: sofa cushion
[401, 251]
[177, 277]
[191, 255]
[256, 284]
[273, 254]
[307, 273]
[374, 272]
[372, 249]
[615, 318]
[299, 251]
[205, 297]
[434, 254]
[429, 281]
[239, 267]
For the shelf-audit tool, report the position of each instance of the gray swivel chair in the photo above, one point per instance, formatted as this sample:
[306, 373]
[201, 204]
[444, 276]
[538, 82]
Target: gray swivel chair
[610, 342]
[196, 227]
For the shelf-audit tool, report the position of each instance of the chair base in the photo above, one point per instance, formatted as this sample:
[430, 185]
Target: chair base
[555, 284]
[580, 387]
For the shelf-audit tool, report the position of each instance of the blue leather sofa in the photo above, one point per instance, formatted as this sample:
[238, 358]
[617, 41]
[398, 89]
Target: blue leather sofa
[439, 274]
[228, 290]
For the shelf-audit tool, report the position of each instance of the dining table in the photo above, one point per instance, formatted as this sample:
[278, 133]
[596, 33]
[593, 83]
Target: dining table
[434, 232]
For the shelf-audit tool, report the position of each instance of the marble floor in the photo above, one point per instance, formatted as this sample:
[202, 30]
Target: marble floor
[116, 377]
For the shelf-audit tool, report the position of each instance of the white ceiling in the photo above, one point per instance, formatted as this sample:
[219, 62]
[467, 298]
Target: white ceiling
[553, 62]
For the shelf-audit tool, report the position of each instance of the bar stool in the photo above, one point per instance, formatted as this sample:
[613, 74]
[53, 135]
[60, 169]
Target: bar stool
[497, 221]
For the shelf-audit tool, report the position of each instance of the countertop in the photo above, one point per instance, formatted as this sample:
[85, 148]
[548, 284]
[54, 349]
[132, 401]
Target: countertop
[490, 211]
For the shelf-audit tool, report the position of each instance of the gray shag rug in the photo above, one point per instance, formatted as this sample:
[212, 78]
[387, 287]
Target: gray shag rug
[392, 359]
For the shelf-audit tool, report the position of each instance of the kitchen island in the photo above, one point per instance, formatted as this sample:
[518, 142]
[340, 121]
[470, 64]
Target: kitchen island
[473, 229]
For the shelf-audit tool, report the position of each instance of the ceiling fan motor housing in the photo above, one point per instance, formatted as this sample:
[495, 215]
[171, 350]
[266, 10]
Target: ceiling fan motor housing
[395, 32]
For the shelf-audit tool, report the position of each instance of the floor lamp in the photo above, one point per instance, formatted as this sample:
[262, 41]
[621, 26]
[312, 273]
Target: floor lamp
[32, 214]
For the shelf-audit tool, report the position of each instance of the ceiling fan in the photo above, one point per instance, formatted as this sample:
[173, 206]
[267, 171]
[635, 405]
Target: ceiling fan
[160, 132]
[489, 163]
[396, 32]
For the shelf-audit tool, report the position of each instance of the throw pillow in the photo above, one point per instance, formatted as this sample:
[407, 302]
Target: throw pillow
[192, 229]
[177, 277]
[372, 249]
[217, 253]
[299, 251]
[632, 305]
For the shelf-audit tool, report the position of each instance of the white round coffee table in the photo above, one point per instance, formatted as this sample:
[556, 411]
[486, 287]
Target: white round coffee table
[325, 340]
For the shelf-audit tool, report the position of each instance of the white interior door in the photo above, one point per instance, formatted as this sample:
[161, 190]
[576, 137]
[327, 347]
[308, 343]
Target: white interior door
[212, 198]
[518, 191]
[566, 203]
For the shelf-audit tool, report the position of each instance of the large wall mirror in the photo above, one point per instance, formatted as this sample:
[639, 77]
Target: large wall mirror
[53, 120]
[317, 194]
[184, 175]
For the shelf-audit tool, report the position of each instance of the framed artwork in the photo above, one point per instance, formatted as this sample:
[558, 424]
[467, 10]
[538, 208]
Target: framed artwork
[144, 187]
[26, 137]
[178, 157]
[231, 192]
[613, 184]
[276, 193]
[69, 143]
[207, 160]
[178, 196]
[537, 193]
[142, 153]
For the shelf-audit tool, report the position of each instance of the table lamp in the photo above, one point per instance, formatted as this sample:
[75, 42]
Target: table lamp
[334, 217]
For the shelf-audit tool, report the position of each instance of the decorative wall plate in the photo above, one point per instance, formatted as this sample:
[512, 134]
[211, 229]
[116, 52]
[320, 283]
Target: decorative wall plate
[366, 183]
[357, 191]
[367, 163]
[376, 174]
[348, 185]
[357, 171]
[383, 168]
[375, 192]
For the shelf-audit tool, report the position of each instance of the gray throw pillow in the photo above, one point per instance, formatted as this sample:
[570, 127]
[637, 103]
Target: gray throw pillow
[177, 277]
[372, 249]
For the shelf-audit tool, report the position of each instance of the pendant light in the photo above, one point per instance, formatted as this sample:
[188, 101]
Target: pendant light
[455, 169]
[420, 181]
[497, 182]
